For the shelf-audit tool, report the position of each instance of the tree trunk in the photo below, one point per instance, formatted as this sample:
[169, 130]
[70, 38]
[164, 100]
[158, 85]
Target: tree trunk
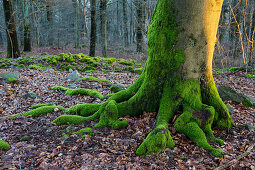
[12, 40]
[177, 77]
[36, 26]
[125, 20]
[1, 39]
[139, 26]
[93, 28]
[27, 31]
[50, 22]
[77, 34]
[103, 7]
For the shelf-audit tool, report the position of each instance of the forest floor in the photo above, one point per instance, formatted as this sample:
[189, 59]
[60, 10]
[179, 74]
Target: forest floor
[47, 148]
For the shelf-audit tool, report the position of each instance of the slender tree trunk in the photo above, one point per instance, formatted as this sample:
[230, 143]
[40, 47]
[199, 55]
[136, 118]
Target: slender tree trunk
[1, 39]
[125, 22]
[36, 25]
[12, 40]
[50, 22]
[93, 29]
[139, 26]
[77, 31]
[103, 7]
[27, 29]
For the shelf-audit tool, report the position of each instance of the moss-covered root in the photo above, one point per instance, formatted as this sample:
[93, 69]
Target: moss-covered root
[75, 119]
[191, 124]
[4, 145]
[211, 97]
[59, 88]
[40, 105]
[91, 78]
[39, 111]
[109, 117]
[85, 109]
[82, 91]
[156, 141]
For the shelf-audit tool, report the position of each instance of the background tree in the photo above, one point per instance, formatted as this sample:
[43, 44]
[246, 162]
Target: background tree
[103, 16]
[12, 40]
[27, 30]
[93, 28]
[139, 26]
[50, 21]
[177, 76]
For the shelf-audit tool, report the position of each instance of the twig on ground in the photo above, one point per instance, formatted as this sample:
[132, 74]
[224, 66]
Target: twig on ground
[229, 163]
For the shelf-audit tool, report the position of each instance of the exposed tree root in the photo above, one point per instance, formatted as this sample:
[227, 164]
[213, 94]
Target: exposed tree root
[81, 91]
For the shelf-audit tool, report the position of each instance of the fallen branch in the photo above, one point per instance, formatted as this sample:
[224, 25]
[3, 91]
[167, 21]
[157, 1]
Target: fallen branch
[229, 163]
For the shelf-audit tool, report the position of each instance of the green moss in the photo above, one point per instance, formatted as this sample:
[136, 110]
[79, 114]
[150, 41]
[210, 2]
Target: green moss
[40, 105]
[70, 119]
[109, 117]
[110, 60]
[87, 68]
[247, 102]
[69, 67]
[234, 69]
[34, 67]
[25, 138]
[38, 111]
[127, 63]
[64, 136]
[139, 70]
[156, 141]
[94, 64]
[85, 131]
[59, 88]
[88, 92]
[250, 76]
[4, 145]
[211, 97]
[194, 126]
[91, 78]
[12, 80]
[83, 109]
[118, 69]
[129, 68]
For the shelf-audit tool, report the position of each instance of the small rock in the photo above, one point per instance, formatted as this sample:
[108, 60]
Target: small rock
[230, 108]
[73, 76]
[117, 87]
[249, 127]
[31, 95]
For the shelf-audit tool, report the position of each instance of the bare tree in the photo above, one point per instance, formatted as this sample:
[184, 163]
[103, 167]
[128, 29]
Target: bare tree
[12, 40]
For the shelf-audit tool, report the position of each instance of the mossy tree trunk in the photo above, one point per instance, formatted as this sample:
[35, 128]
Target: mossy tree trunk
[12, 40]
[177, 77]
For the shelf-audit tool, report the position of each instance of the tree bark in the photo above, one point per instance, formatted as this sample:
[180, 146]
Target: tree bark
[12, 40]
[77, 30]
[50, 21]
[139, 26]
[177, 77]
[125, 20]
[103, 7]
[93, 29]
[27, 30]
